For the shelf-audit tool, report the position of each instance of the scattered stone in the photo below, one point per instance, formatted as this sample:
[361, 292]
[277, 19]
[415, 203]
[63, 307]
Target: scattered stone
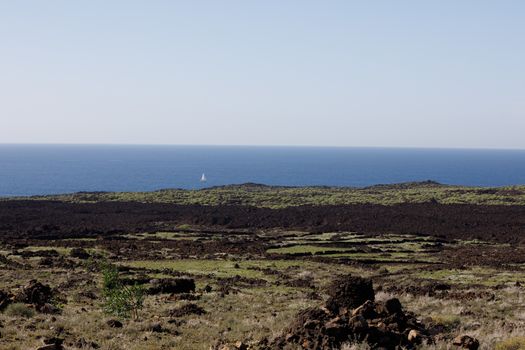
[34, 293]
[46, 261]
[83, 343]
[466, 342]
[172, 286]
[51, 347]
[300, 283]
[429, 289]
[156, 328]
[88, 294]
[175, 322]
[52, 343]
[241, 346]
[367, 310]
[184, 296]
[49, 309]
[79, 253]
[53, 340]
[187, 309]
[414, 336]
[4, 300]
[114, 323]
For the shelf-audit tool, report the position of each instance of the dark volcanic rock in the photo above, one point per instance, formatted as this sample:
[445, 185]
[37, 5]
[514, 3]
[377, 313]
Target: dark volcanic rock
[79, 253]
[187, 309]
[54, 219]
[52, 343]
[172, 286]
[349, 292]
[49, 309]
[34, 293]
[83, 343]
[38, 253]
[383, 325]
[393, 306]
[114, 323]
[4, 300]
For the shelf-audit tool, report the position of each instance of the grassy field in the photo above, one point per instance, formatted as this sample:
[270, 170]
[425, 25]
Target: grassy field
[249, 298]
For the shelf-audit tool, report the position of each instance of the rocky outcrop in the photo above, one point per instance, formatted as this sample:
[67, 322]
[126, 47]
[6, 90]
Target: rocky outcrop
[352, 314]
[34, 293]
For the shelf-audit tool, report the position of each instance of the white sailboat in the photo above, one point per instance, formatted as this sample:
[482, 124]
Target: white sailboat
[203, 178]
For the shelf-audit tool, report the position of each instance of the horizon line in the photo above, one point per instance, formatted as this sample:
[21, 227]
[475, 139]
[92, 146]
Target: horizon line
[256, 146]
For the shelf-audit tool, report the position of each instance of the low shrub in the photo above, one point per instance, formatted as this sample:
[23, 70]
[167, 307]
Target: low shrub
[120, 300]
[19, 310]
[517, 343]
[450, 322]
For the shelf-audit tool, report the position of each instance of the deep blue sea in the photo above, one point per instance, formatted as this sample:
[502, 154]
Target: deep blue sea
[51, 169]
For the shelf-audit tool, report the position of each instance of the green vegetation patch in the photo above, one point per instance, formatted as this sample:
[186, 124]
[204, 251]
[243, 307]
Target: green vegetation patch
[476, 275]
[219, 268]
[281, 197]
[306, 249]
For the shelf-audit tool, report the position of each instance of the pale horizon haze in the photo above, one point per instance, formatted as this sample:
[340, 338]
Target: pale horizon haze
[447, 74]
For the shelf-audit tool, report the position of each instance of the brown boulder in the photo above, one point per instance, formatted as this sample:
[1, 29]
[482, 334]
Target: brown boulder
[466, 342]
[414, 337]
[34, 293]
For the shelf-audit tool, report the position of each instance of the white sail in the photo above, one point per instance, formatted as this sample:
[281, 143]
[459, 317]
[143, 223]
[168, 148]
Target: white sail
[203, 178]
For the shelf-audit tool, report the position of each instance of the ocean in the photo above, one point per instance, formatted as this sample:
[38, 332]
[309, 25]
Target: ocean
[52, 169]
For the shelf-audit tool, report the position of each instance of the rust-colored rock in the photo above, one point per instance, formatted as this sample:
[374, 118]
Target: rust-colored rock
[466, 342]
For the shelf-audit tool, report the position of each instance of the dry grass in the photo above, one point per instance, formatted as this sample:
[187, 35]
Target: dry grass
[259, 311]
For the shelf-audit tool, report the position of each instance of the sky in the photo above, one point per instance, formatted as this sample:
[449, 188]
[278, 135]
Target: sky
[375, 73]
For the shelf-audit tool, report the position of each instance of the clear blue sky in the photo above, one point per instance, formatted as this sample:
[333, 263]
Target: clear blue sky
[448, 73]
